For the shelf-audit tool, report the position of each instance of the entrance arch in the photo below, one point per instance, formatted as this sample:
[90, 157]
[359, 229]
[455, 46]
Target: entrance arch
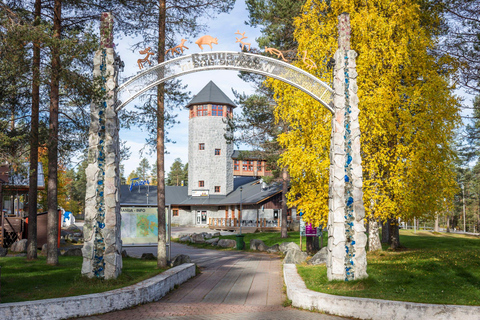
[346, 259]
[224, 60]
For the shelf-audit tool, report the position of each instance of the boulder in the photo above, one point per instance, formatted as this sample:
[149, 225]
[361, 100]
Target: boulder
[207, 236]
[216, 234]
[258, 245]
[3, 251]
[148, 256]
[273, 249]
[295, 257]
[44, 250]
[180, 259]
[213, 241]
[19, 246]
[185, 239]
[285, 246]
[197, 238]
[227, 243]
[73, 228]
[319, 258]
[74, 252]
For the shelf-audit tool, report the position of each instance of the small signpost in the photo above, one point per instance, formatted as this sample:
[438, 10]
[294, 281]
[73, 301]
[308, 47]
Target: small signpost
[302, 228]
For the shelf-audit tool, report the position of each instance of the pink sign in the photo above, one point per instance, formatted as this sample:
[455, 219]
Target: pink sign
[310, 231]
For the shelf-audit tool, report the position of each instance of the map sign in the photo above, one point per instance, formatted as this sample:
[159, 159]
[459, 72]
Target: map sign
[139, 225]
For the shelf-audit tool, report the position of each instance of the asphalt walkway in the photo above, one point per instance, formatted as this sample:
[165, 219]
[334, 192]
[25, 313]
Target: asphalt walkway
[232, 285]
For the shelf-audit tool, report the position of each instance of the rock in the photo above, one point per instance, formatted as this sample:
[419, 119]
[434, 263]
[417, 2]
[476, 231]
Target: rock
[207, 236]
[19, 246]
[3, 252]
[319, 258]
[148, 256]
[44, 250]
[180, 259]
[295, 257]
[73, 228]
[258, 245]
[197, 238]
[285, 246]
[124, 254]
[74, 252]
[213, 241]
[216, 234]
[273, 249]
[227, 243]
[185, 239]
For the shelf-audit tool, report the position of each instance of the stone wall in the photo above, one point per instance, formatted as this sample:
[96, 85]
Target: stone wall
[102, 248]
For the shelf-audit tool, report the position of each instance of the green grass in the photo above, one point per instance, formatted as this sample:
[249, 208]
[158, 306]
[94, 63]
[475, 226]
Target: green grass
[23, 280]
[432, 268]
[269, 238]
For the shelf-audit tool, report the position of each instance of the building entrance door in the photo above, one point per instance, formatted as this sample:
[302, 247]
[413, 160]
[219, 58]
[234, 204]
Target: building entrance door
[201, 217]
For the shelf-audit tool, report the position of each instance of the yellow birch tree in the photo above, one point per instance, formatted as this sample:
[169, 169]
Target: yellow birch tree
[407, 110]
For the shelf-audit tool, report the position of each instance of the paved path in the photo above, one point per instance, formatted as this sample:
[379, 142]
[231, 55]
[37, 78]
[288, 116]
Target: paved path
[232, 285]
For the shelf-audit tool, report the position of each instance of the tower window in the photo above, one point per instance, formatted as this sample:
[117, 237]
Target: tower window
[217, 188]
[217, 152]
[201, 183]
[217, 110]
[201, 146]
[202, 110]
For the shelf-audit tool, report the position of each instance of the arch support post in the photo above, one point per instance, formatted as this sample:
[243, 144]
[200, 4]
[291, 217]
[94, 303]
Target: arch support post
[103, 246]
[346, 258]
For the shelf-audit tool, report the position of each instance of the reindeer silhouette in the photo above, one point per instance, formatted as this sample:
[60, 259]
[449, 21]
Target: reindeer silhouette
[177, 48]
[146, 59]
[276, 52]
[310, 65]
[240, 40]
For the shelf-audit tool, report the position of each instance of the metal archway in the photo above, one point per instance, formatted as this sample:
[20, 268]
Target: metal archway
[224, 60]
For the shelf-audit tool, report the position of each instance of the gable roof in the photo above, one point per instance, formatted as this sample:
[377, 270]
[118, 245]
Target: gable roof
[211, 94]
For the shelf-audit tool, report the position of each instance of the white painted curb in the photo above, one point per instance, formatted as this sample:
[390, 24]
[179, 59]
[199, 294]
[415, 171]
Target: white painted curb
[374, 309]
[79, 306]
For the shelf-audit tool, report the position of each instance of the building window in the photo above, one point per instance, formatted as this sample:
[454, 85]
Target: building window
[248, 165]
[217, 110]
[217, 152]
[202, 110]
[236, 165]
[201, 183]
[201, 146]
[259, 165]
[217, 188]
[175, 212]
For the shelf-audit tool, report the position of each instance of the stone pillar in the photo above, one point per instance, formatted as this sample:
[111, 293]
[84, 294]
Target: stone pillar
[103, 246]
[346, 232]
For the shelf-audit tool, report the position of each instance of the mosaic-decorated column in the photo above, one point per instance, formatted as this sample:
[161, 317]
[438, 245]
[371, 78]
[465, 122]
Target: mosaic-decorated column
[346, 231]
[103, 246]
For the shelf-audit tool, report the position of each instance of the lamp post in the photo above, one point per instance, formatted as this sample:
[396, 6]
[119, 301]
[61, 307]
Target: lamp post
[464, 223]
[241, 213]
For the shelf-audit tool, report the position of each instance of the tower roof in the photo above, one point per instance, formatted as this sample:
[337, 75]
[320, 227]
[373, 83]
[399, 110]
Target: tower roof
[211, 94]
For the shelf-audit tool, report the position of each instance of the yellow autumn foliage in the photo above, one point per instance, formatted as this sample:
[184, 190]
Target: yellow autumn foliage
[408, 112]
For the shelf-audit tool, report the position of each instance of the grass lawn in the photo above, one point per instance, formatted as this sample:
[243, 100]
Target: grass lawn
[436, 268]
[23, 280]
[269, 238]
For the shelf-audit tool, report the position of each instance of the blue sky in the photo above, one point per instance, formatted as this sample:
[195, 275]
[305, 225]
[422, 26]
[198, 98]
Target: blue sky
[223, 27]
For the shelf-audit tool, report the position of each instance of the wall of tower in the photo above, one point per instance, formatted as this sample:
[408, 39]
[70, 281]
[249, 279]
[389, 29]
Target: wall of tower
[204, 165]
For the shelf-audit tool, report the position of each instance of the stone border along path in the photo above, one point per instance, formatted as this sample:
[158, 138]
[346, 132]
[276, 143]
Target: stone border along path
[374, 309]
[79, 306]
[232, 285]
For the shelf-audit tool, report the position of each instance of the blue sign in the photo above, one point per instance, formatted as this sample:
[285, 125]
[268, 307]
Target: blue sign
[137, 182]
